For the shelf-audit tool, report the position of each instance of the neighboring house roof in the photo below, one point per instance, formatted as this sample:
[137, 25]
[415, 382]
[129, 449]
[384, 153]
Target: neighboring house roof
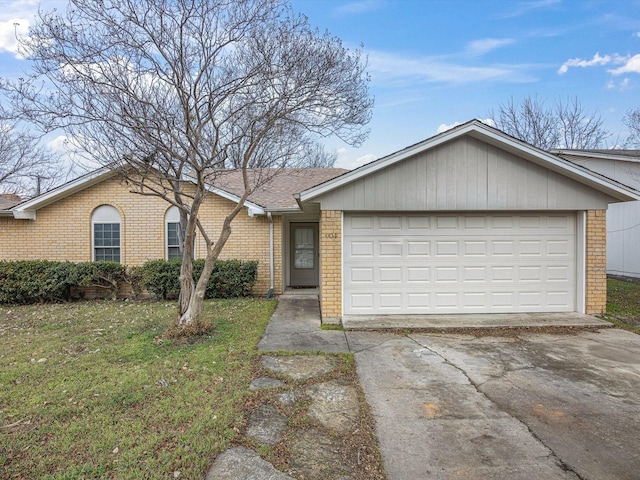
[278, 190]
[612, 154]
[491, 136]
[8, 200]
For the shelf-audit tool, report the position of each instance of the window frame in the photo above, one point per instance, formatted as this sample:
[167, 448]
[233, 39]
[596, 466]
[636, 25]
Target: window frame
[171, 216]
[106, 215]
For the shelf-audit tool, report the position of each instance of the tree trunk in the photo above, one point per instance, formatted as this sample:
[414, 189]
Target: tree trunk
[191, 315]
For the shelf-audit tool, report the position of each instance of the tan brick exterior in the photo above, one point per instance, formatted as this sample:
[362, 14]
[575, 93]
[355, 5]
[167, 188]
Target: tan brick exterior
[62, 231]
[596, 262]
[331, 266]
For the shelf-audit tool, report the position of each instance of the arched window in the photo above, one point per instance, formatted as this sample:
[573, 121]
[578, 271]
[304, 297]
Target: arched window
[172, 229]
[105, 227]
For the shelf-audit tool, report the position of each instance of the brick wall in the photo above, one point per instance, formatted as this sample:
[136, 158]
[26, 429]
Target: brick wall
[62, 231]
[331, 265]
[596, 262]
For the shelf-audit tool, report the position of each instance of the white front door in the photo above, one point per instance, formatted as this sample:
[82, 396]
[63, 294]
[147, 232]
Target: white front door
[459, 263]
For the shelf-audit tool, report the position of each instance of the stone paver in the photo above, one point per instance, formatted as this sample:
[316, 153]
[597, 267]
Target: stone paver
[265, 382]
[243, 464]
[267, 425]
[314, 456]
[334, 405]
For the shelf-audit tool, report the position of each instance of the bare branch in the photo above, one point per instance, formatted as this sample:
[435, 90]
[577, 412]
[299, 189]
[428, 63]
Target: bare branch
[562, 125]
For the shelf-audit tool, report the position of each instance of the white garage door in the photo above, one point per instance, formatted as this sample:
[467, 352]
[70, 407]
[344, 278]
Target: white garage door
[446, 263]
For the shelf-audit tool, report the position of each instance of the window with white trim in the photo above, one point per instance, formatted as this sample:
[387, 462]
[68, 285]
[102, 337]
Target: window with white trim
[172, 232]
[105, 229]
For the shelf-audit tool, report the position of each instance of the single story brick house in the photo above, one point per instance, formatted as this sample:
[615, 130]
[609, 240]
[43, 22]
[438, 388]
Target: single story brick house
[623, 219]
[468, 221]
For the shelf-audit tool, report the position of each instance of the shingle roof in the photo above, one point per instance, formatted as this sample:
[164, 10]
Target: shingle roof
[8, 200]
[277, 191]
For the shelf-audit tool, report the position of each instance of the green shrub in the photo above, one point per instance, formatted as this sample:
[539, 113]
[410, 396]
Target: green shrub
[229, 279]
[102, 274]
[35, 281]
[161, 277]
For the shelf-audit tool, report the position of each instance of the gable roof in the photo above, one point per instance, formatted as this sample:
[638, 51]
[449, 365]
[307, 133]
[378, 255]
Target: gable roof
[492, 136]
[277, 192]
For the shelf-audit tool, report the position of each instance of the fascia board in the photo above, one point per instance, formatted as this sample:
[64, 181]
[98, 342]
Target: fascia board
[27, 210]
[254, 207]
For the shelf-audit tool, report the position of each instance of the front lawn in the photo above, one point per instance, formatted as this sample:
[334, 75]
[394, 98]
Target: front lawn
[623, 304]
[91, 390]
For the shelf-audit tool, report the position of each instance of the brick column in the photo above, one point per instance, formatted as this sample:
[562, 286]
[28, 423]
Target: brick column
[331, 266]
[596, 262]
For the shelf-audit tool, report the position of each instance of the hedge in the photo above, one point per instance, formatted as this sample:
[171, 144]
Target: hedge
[229, 279]
[38, 281]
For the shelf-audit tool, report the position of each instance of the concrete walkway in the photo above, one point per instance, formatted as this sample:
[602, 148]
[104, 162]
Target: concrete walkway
[523, 406]
[295, 327]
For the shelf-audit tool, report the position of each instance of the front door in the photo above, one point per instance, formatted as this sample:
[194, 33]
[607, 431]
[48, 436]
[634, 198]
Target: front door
[304, 255]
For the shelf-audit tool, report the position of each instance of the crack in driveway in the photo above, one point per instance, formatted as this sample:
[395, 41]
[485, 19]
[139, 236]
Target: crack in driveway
[496, 405]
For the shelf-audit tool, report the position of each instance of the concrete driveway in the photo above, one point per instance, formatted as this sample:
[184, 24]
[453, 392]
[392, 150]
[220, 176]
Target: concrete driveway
[535, 406]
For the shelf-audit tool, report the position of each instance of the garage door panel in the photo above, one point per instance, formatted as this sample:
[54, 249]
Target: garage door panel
[422, 264]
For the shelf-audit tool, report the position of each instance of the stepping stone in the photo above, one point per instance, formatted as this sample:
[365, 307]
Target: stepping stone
[267, 425]
[335, 405]
[242, 463]
[265, 382]
[315, 456]
[290, 398]
[300, 367]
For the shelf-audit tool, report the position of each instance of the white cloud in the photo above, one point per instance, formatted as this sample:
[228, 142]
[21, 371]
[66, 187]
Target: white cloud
[578, 62]
[22, 13]
[355, 8]
[9, 31]
[486, 45]
[525, 8]
[631, 65]
[444, 127]
[623, 85]
[394, 68]
[346, 160]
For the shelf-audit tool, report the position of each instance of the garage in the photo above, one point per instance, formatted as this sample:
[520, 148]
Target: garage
[469, 221]
[452, 263]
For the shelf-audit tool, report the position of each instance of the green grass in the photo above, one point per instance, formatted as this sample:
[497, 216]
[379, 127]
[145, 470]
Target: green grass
[91, 390]
[623, 304]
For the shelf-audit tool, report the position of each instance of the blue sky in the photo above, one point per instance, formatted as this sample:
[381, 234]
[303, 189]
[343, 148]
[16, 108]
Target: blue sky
[436, 63]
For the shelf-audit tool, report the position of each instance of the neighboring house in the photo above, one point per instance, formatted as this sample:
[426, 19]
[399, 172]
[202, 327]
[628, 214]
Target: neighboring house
[8, 200]
[468, 221]
[623, 219]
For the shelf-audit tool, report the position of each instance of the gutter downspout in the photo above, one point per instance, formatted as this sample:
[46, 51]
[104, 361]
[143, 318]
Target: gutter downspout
[271, 255]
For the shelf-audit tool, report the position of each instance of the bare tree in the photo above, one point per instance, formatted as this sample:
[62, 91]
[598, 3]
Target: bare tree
[632, 121]
[172, 92]
[315, 155]
[26, 167]
[560, 125]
